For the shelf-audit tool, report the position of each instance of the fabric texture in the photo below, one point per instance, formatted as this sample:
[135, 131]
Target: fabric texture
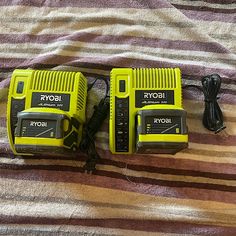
[190, 193]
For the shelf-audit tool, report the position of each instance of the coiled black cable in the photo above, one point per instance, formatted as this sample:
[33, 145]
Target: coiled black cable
[212, 116]
[87, 144]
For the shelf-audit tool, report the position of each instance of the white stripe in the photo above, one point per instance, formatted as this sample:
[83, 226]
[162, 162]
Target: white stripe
[157, 212]
[138, 55]
[47, 48]
[153, 15]
[160, 16]
[214, 27]
[205, 4]
[115, 29]
[228, 43]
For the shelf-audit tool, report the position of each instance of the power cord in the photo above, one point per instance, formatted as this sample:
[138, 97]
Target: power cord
[87, 144]
[212, 116]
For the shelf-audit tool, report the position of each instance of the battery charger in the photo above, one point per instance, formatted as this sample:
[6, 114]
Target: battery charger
[146, 113]
[46, 111]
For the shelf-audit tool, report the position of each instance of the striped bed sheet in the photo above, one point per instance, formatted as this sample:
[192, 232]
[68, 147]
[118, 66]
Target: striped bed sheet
[190, 193]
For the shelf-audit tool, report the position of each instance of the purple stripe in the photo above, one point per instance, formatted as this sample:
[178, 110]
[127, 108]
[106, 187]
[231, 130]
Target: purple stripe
[116, 175]
[225, 93]
[3, 122]
[112, 39]
[129, 62]
[156, 163]
[222, 2]
[108, 68]
[152, 160]
[147, 168]
[199, 78]
[120, 183]
[180, 172]
[113, 61]
[193, 94]
[205, 8]
[151, 4]
[209, 16]
[164, 226]
[212, 139]
[177, 164]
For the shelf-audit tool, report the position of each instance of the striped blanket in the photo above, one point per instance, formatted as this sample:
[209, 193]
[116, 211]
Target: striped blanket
[190, 193]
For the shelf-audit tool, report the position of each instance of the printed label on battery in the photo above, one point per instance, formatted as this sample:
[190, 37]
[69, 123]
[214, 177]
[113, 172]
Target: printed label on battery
[149, 97]
[38, 128]
[163, 125]
[53, 100]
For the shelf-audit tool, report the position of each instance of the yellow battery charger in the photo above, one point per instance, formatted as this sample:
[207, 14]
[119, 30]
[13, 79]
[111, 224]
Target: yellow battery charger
[46, 111]
[146, 113]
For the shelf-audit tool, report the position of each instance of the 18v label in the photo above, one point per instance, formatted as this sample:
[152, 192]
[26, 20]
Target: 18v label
[53, 100]
[149, 97]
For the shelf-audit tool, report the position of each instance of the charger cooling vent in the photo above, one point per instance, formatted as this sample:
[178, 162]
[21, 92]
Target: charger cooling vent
[81, 94]
[58, 81]
[154, 78]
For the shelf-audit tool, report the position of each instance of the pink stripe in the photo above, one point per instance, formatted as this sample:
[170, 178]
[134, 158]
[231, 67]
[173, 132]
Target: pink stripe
[205, 8]
[144, 225]
[209, 16]
[226, 96]
[152, 4]
[222, 2]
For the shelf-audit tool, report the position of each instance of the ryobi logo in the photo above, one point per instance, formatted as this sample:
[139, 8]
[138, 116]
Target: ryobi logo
[39, 123]
[154, 95]
[51, 98]
[162, 121]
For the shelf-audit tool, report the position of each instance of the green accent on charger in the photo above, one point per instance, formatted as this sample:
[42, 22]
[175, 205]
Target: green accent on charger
[46, 111]
[146, 113]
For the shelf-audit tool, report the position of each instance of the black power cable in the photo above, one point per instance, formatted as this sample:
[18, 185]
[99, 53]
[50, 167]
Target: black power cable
[212, 116]
[87, 144]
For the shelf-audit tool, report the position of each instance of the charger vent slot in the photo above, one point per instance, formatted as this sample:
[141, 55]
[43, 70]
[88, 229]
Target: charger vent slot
[154, 78]
[56, 81]
[81, 94]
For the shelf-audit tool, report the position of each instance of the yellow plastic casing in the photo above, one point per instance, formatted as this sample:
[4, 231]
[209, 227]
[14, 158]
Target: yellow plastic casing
[153, 79]
[69, 85]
